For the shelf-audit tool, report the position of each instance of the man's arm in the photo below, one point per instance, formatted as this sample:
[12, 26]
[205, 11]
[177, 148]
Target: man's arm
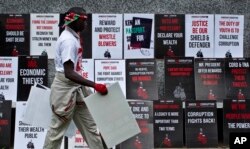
[75, 77]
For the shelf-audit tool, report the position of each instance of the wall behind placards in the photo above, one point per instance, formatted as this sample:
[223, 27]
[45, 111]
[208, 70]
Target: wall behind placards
[136, 6]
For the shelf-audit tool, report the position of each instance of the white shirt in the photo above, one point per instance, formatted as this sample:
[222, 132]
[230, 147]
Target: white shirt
[68, 47]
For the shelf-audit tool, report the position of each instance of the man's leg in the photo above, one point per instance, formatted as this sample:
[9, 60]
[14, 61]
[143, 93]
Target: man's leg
[55, 133]
[87, 127]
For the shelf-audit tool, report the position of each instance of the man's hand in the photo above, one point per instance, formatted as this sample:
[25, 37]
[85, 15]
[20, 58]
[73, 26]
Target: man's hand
[101, 89]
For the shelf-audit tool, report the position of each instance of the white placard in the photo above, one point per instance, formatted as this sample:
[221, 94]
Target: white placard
[88, 69]
[111, 71]
[26, 134]
[38, 101]
[199, 35]
[77, 142]
[229, 30]
[112, 115]
[107, 36]
[8, 77]
[44, 32]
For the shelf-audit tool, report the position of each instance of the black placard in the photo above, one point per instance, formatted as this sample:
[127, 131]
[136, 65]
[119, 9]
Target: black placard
[143, 112]
[179, 78]
[236, 117]
[210, 79]
[5, 123]
[168, 124]
[141, 32]
[31, 69]
[86, 39]
[201, 124]
[169, 35]
[141, 79]
[237, 78]
[14, 34]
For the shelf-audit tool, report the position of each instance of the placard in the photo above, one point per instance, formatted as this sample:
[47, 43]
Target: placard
[5, 123]
[201, 124]
[8, 78]
[27, 136]
[199, 35]
[111, 71]
[168, 124]
[107, 36]
[236, 115]
[179, 78]
[44, 32]
[143, 112]
[77, 141]
[141, 79]
[86, 39]
[31, 69]
[229, 34]
[237, 78]
[87, 69]
[210, 79]
[118, 127]
[138, 36]
[14, 34]
[169, 35]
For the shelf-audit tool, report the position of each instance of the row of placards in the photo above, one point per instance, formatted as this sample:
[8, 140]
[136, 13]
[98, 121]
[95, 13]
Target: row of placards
[161, 123]
[127, 36]
[183, 78]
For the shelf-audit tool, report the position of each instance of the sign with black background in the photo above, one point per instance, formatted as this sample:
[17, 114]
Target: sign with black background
[236, 117]
[142, 37]
[31, 69]
[179, 78]
[5, 123]
[168, 124]
[201, 124]
[141, 79]
[14, 33]
[86, 39]
[210, 79]
[237, 78]
[169, 33]
[143, 112]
